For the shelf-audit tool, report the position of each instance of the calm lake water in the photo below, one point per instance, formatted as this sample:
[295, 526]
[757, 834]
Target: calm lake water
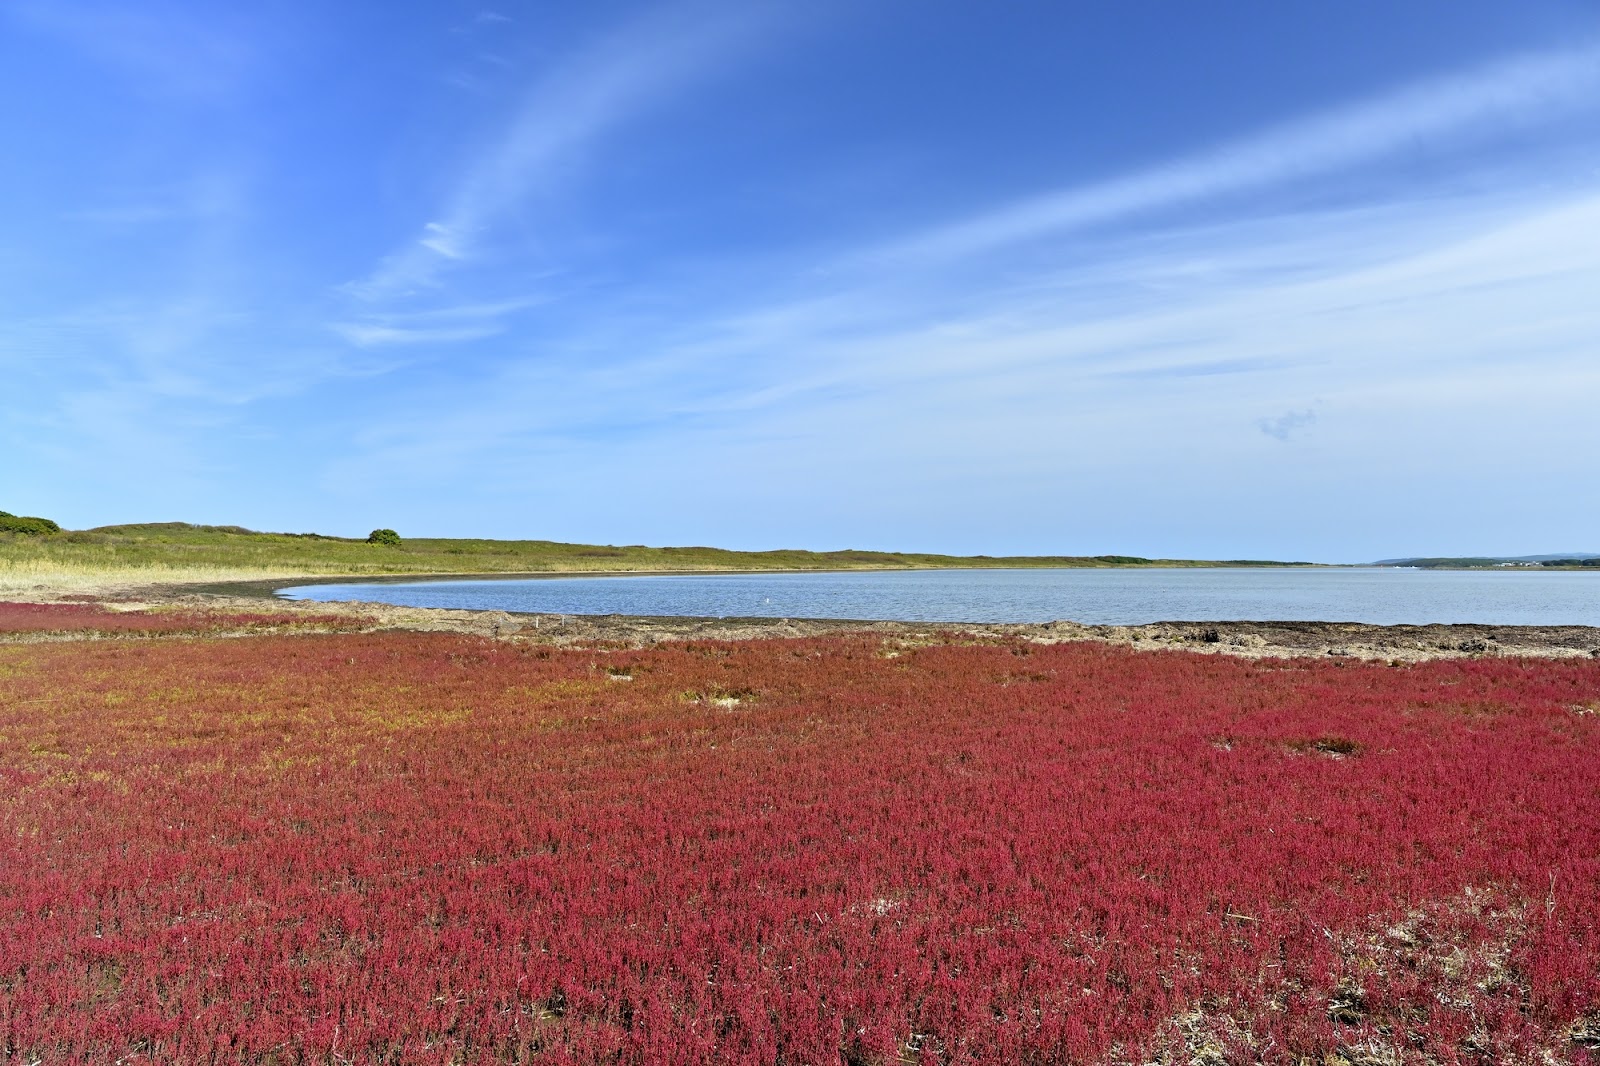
[1115, 597]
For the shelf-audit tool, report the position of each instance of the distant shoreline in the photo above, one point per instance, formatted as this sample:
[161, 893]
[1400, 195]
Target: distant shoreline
[1394, 644]
[539, 575]
[178, 553]
[131, 559]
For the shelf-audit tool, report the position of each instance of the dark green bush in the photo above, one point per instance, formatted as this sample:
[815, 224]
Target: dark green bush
[383, 536]
[33, 527]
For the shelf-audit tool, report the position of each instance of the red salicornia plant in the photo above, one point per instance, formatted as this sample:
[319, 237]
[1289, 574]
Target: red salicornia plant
[424, 848]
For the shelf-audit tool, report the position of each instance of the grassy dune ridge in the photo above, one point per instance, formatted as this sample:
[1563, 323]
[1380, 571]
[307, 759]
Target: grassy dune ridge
[179, 552]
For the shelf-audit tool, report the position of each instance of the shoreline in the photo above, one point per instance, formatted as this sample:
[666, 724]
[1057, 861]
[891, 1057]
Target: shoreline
[263, 583]
[1250, 639]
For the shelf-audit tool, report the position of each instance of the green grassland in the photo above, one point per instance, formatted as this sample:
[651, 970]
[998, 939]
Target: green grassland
[178, 551]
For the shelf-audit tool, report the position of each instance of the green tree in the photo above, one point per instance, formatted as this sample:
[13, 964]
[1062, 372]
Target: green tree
[386, 537]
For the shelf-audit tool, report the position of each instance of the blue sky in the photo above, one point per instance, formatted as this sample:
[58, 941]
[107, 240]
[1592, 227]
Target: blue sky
[1256, 279]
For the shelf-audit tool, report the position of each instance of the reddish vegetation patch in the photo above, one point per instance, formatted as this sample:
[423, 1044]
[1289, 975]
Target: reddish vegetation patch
[71, 618]
[427, 848]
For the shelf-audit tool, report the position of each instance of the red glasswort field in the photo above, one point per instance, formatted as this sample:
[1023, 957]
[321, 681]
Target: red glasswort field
[82, 618]
[426, 848]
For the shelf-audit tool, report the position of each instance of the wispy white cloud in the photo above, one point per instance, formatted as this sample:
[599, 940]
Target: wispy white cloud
[462, 312]
[569, 109]
[1129, 353]
[367, 335]
[1269, 314]
[441, 240]
[1411, 330]
[1287, 424]
[447, 324]
[844, 324]
[1512, 92]
[187, 348]
[482, 19]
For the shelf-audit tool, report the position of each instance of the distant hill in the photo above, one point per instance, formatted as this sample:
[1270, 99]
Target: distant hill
[1478, 561]
[182, 551]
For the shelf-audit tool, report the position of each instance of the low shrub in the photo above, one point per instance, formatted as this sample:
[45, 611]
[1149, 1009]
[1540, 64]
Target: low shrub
[10, 523]
[384, 536]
